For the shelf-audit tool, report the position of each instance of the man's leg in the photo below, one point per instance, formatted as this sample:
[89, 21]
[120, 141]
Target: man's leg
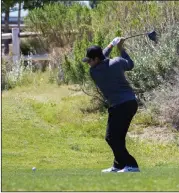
[118, 123]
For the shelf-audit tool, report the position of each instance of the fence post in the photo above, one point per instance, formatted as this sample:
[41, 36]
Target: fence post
[15, 45]
[16, 52]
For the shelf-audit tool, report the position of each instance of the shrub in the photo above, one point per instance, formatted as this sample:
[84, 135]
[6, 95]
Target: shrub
[153, 63]
[33, 45]
[164, 100]
[59, 23]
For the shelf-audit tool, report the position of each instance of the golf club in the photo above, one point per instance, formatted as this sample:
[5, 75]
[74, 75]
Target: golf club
[151, 35]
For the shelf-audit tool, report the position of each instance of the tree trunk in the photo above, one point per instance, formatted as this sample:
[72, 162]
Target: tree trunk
[6, 30]
[19, 15]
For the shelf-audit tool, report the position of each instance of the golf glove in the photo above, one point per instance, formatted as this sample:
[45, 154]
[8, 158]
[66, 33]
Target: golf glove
[115, 41]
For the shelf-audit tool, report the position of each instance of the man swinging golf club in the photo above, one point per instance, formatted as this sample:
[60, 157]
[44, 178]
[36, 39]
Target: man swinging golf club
[108, 75]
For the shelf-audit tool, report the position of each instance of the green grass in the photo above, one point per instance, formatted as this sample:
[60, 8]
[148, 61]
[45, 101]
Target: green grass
[150, 179]
[43, 126]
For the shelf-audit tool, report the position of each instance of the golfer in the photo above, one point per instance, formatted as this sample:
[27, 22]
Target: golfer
[108, 75]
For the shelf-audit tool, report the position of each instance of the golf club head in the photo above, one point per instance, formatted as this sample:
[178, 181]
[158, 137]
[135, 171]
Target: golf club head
[152, 36]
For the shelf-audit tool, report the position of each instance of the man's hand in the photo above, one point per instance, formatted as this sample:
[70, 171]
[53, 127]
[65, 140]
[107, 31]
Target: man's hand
[118, 41]
[115, 41]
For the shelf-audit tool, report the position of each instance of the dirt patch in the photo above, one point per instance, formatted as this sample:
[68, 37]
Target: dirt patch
[157, 134]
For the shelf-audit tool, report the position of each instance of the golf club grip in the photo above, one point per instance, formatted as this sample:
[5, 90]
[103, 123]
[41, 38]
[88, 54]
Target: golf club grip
[134, 36]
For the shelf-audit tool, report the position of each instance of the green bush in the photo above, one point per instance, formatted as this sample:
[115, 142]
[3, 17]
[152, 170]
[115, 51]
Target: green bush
[33, 46]
[100, 25]
[59, 23]
[153, 63]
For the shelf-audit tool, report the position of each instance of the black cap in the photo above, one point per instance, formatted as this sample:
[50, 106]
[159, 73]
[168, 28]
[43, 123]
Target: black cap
[93, 52]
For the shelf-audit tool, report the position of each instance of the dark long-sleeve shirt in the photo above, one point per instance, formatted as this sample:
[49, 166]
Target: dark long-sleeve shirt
[110, 78]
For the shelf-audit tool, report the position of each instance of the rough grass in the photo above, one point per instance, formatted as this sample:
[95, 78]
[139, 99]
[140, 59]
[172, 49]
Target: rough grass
[43, 127]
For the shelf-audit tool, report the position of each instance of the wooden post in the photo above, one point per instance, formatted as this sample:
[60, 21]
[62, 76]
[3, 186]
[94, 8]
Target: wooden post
[19, 15]
[16, 51]
[15, 45]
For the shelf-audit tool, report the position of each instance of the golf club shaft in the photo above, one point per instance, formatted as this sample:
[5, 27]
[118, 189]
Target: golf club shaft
[135, 35]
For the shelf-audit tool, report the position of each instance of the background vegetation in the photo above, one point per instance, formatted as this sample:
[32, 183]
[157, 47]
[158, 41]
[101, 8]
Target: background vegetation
[73, 28]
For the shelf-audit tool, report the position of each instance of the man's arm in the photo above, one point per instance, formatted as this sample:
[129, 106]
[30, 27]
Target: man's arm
[127, 62]
[125, 59]
[108, 49]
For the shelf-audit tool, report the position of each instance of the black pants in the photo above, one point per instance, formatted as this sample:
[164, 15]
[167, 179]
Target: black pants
[119, 120]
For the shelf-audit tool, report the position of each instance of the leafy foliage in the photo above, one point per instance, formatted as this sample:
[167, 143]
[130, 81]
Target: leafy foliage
[6, 4]
[58, 23]
[152, 62]
[155, 62]
[41, 3]
[106, 21]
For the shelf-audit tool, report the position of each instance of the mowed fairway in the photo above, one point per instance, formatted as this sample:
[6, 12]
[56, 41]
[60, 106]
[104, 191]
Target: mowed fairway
[43, 127]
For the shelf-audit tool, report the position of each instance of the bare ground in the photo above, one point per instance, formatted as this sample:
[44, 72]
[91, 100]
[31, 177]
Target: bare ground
[158, 134]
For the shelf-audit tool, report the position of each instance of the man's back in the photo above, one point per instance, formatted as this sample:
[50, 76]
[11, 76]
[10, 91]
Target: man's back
[110, 79]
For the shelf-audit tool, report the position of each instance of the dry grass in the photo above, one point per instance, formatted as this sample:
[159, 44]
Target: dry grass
[156, 134]
[165, 100]
[170, 109]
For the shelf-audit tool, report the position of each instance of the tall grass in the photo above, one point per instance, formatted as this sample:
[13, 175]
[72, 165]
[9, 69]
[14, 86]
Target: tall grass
[164, 100]
[26, 74]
